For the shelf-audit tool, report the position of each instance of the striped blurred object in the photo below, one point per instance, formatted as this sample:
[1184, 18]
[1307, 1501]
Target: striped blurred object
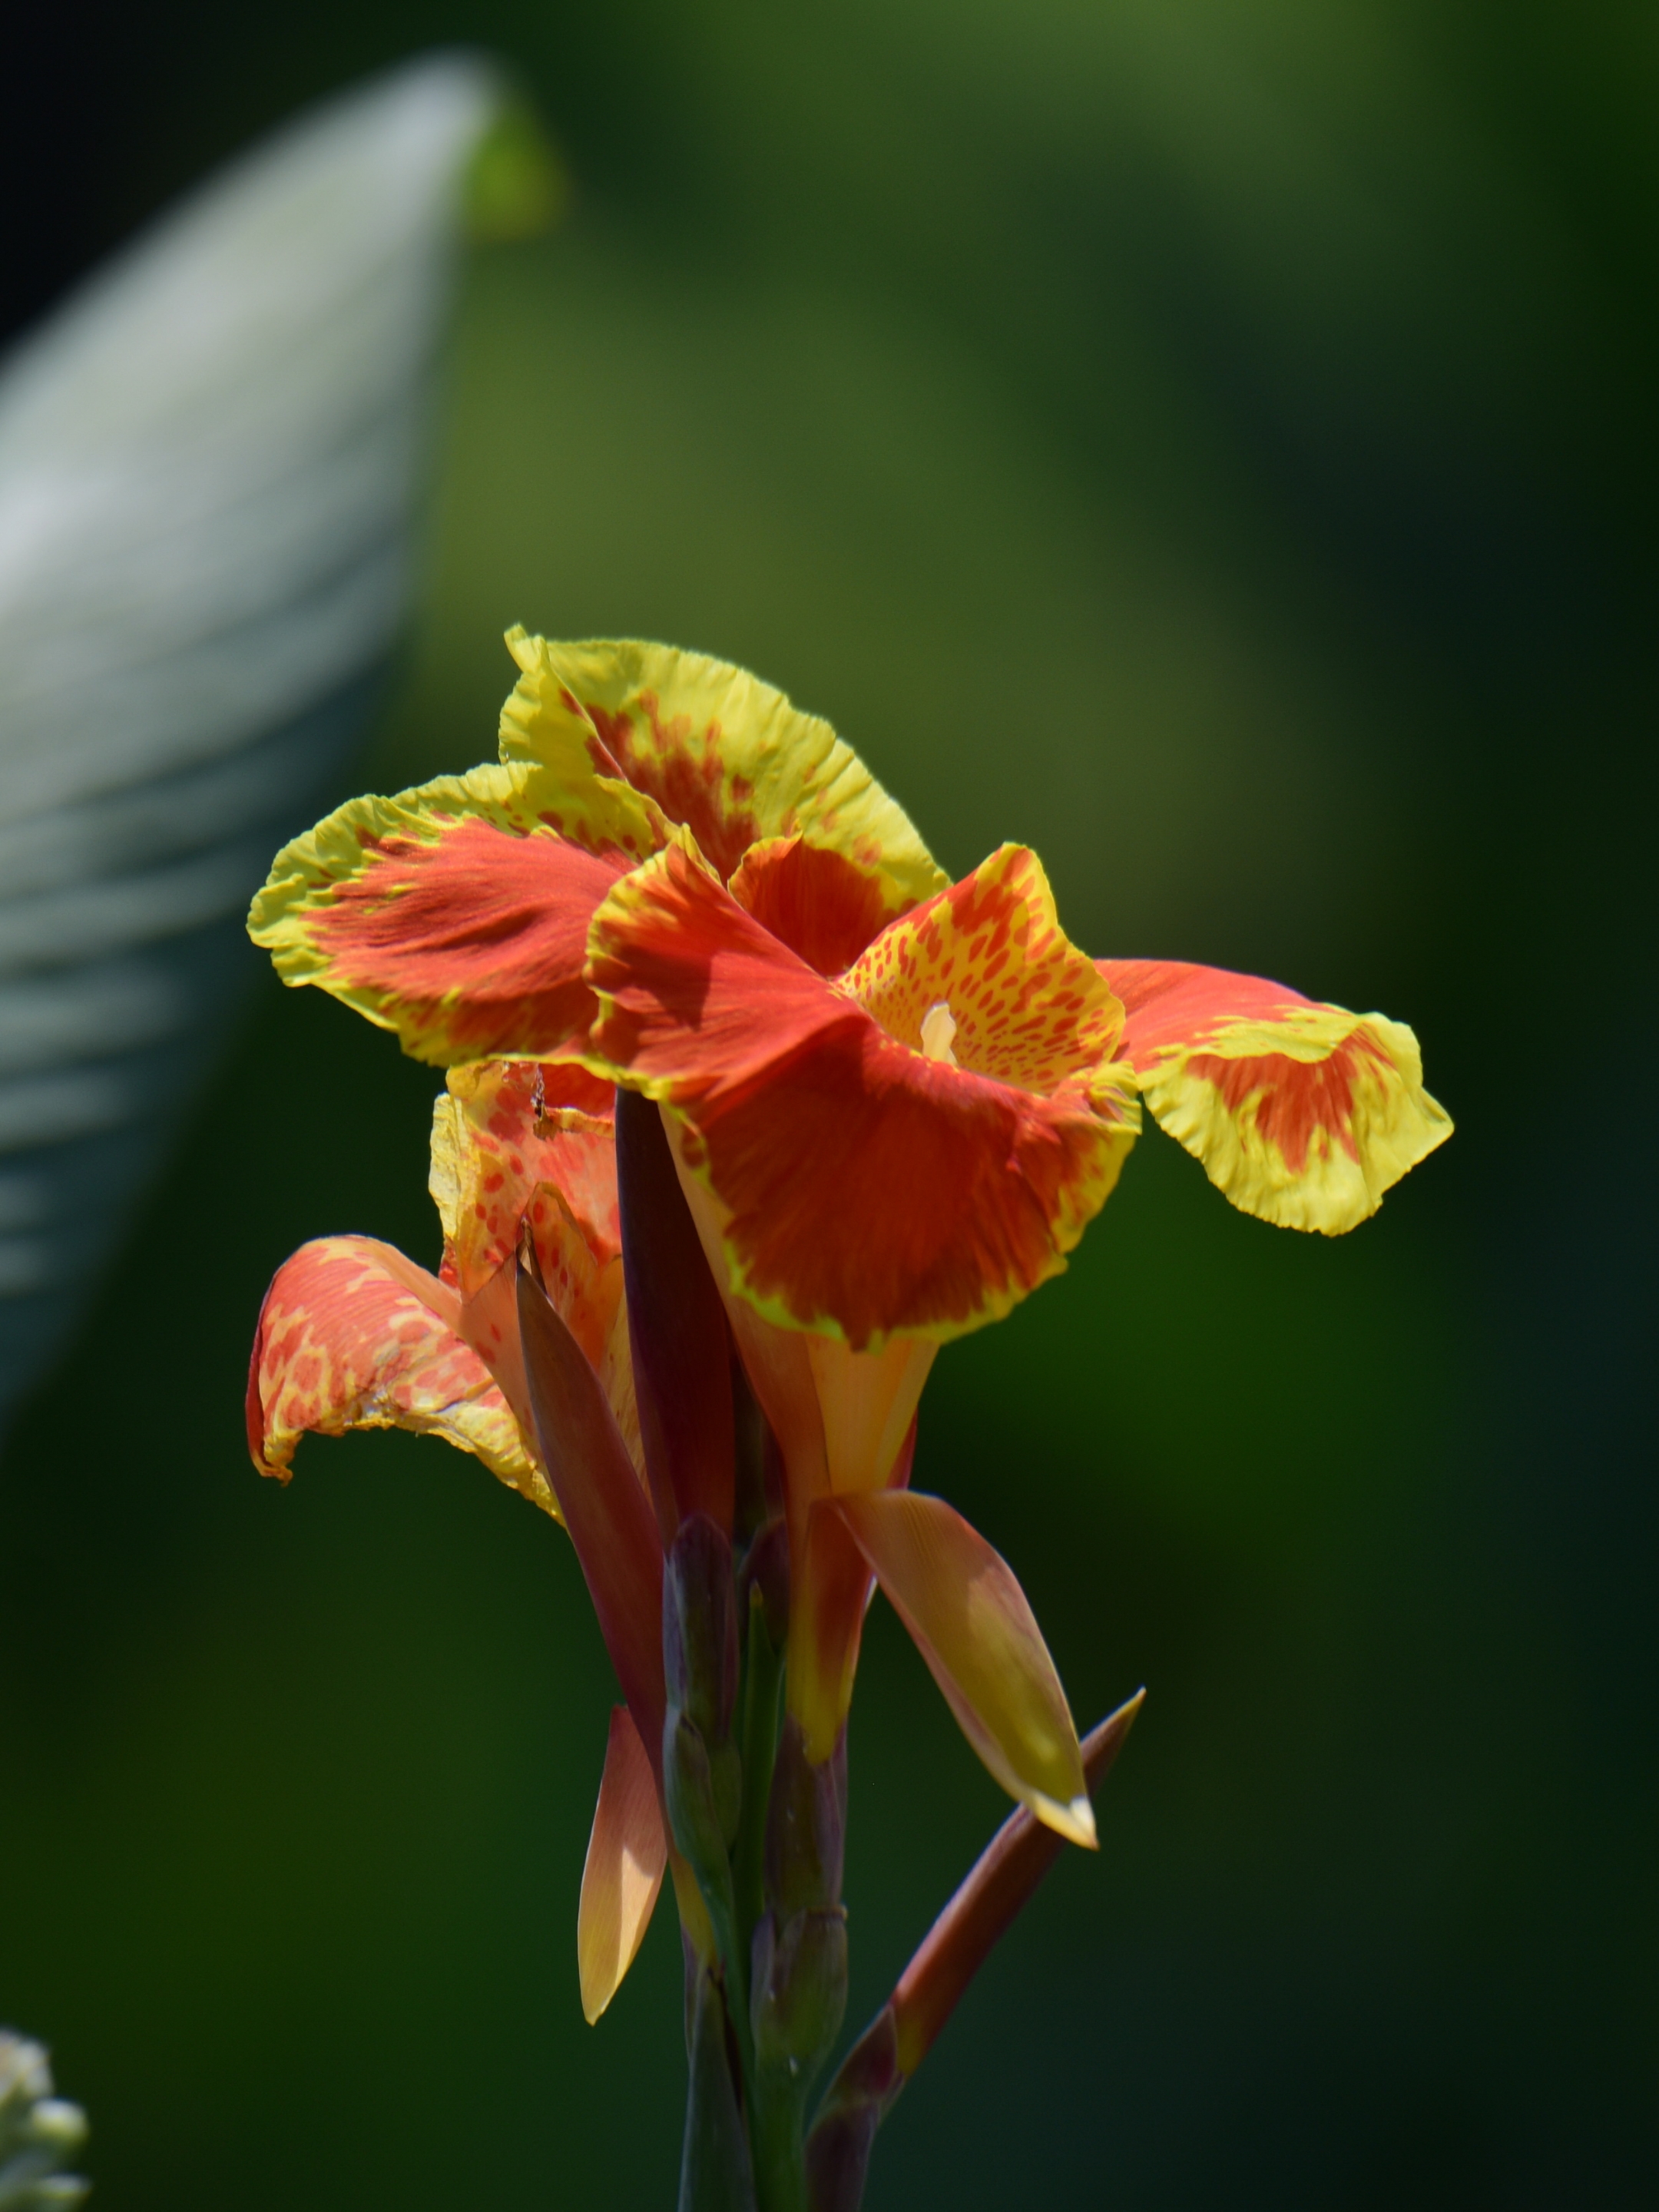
[210, 460]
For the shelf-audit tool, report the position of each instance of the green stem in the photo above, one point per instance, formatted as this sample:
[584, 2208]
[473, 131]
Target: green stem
[777, 2139]
[715, 2172]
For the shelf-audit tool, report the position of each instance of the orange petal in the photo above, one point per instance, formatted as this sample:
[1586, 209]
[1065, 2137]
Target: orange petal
[869, 1189]
[821, 904]
[971, 1622]
[1301, 1114]
[627, 1853]
[352, 1336]
[1026, 1007]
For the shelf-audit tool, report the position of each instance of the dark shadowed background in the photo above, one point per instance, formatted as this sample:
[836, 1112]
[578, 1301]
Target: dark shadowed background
[1215, 444]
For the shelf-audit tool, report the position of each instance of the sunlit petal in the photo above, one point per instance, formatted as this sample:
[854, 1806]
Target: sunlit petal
[821, 903]
[627, 1853]
[971, 1623]
[501, 1131]
[456, 915]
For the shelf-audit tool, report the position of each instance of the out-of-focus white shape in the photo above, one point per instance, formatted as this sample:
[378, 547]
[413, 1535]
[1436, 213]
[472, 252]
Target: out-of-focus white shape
[210, 460]
[40, 2134]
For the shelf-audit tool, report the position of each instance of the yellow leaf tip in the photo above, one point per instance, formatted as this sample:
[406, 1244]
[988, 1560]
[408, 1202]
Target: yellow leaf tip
[1075, 1821]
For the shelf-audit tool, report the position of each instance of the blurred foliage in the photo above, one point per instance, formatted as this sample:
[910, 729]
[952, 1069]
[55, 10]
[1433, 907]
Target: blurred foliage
[40, 2133]
[1215, 445]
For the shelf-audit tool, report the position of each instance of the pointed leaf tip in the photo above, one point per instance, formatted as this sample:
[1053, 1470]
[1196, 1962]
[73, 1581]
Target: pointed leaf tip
[621, 1878]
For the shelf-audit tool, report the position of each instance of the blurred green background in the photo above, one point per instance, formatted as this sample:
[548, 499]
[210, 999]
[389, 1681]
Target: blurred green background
[1215, 444]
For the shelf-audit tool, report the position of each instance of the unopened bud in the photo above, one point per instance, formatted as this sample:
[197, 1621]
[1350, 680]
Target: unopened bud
[700, 1628]
[799, 1992]
[806, 1826]
[704, 1792]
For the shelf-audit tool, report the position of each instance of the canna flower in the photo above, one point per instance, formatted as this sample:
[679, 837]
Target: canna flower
[732, 1064]
[894, 1103]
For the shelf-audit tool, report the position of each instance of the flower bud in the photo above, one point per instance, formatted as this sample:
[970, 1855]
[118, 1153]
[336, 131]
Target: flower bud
[700, 1629]
[704, 1792]
[806, 1827]
[799, 1992]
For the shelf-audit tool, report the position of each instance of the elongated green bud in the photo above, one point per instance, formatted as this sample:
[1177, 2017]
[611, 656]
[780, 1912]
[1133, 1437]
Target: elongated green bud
[799, 1984]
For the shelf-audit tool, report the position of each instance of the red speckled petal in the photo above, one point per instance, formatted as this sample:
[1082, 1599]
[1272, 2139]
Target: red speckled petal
[627, 1853]
[504, 1136]
[868, 1190]
[456, 916]
[1301, 1113]
[1026, 1007]
[352, 1336]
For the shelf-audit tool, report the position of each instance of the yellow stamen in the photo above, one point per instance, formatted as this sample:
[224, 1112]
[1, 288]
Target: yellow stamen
[938, 1029]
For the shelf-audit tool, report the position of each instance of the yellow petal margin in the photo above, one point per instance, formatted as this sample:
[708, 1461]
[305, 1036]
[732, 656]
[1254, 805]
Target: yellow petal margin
[971, 1621]
[627, 1853]
[456, 915]
[714, 747]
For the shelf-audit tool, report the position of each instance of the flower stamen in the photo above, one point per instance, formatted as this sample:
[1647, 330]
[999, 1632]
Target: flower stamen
[938, 1032]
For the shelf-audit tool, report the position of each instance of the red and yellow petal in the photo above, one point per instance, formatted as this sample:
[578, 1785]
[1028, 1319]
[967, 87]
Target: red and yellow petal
[352, 1336]
[1026, 1007]
[505, 1131]
[1301, 1114]
[866, 1190]
[456, 914]
[517, 1141]
[714, 748]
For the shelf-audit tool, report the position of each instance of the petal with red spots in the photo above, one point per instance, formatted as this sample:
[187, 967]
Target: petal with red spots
[866, 1189]
[524, 1141]
[352, 1336]
[504, 1130]
[717, 751]
[1301, 1114]
[456, 915]
[1026, 1008]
